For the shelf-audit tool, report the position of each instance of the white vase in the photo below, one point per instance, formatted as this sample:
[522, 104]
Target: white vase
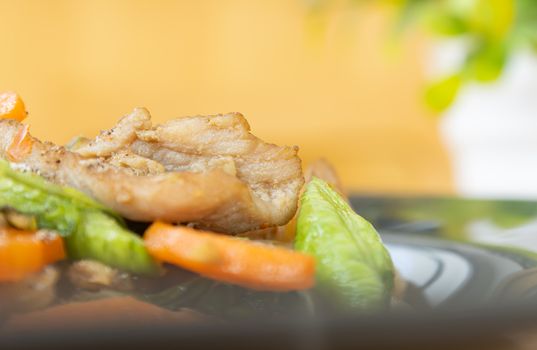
[491, 129]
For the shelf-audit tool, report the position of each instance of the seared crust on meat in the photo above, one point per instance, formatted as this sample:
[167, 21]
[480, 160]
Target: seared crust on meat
[206, 170]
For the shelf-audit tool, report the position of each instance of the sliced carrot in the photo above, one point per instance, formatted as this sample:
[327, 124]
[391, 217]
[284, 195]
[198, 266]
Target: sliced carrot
[12, 106]
[21, 145]
[232, 260]
[23, 253]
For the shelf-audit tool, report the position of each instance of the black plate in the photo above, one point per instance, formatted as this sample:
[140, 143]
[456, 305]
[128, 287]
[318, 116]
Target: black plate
[469, 289]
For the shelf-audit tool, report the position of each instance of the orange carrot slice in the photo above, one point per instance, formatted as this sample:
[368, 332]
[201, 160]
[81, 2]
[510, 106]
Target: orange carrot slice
[12, 106]
[21, 145]
[23, 253]
[232, 260]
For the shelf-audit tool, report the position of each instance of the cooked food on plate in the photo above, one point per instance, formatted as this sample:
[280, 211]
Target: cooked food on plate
[177, 215]
[210, 171]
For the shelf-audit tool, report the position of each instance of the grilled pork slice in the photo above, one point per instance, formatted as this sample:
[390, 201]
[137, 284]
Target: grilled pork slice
[320, 168]
[206, 170]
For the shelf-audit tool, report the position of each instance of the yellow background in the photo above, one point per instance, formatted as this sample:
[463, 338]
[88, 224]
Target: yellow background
[329, 84]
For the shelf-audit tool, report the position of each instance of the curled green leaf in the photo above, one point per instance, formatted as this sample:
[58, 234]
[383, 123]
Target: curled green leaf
[353, 266]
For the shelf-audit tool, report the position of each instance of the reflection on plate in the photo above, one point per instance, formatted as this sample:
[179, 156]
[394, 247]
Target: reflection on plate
[459, 275]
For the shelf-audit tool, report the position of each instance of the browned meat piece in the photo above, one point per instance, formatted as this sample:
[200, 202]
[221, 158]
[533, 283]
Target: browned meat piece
[321, 169]
[34, 292]
[400, 286]
[139, 164]
[93, 275]
[121, 135]
[210, 171]
[204, 143]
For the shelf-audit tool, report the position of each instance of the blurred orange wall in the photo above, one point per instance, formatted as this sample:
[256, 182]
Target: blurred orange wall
[80, 65]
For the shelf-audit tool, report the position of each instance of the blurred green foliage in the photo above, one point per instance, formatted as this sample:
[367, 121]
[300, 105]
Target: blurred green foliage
[492, 29]
[447, 217]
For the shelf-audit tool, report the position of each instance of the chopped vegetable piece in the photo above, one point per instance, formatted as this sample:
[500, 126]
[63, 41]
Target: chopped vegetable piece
[21, 145]
[100, 237]
[92, 275]
[352, 263]
[55, 207]
[20, 221]
[233, 260]
[11, 106]
[23, 253]
[91, 231]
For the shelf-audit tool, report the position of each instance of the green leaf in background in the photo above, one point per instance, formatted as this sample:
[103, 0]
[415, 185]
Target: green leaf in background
[486, 63]
[410, 11]
[446, 18]
[493, 29]
[451, 218]
[447, 24]
[493, 18]
[440, 95]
